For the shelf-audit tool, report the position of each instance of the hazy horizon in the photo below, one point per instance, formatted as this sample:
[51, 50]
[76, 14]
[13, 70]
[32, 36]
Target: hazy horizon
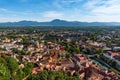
[62, 20]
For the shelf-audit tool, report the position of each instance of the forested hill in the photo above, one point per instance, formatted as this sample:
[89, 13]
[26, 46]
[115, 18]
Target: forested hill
[58, 22]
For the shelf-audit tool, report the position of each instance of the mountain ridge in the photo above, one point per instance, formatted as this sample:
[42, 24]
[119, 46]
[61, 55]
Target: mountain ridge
[58, 22]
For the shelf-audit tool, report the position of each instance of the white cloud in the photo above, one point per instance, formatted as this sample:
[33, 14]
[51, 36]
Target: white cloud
[91, 4]
[103, 6]
[112, 10]
[3, 9]
[110, 7]
[102, 10]
[52, 14]
[66, 3]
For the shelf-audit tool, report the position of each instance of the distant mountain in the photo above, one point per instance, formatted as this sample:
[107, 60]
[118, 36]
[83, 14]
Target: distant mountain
[58, 22]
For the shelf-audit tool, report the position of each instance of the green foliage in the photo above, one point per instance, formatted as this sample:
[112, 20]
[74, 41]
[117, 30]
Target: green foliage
[33, 77]
[72, 78]
[19, 74]
[20, 52]
[23, 73]
[76, 74]
[4, 72]
[68, 55]
[43, 75]
[11, 35]
[52, 75]
[27, 69]
[12, 64]
[9, 69]
[94, 36]
[71, 47]
[77, 50]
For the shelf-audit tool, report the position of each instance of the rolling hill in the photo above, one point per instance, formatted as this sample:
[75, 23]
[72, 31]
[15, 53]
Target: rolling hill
[58, 22]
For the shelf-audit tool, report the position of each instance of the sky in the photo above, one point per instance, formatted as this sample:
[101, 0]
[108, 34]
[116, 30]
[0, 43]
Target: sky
[71, 10]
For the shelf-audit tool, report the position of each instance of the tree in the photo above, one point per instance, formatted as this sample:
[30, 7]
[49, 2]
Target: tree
[43, 75]
[34, 77]
[12, 64]
[76, 74]
[77, 49]
[4, 72]
[19, 75]
[68, 55]
[27, 69]
[59, 76]
[72, 78]
[94, 36]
